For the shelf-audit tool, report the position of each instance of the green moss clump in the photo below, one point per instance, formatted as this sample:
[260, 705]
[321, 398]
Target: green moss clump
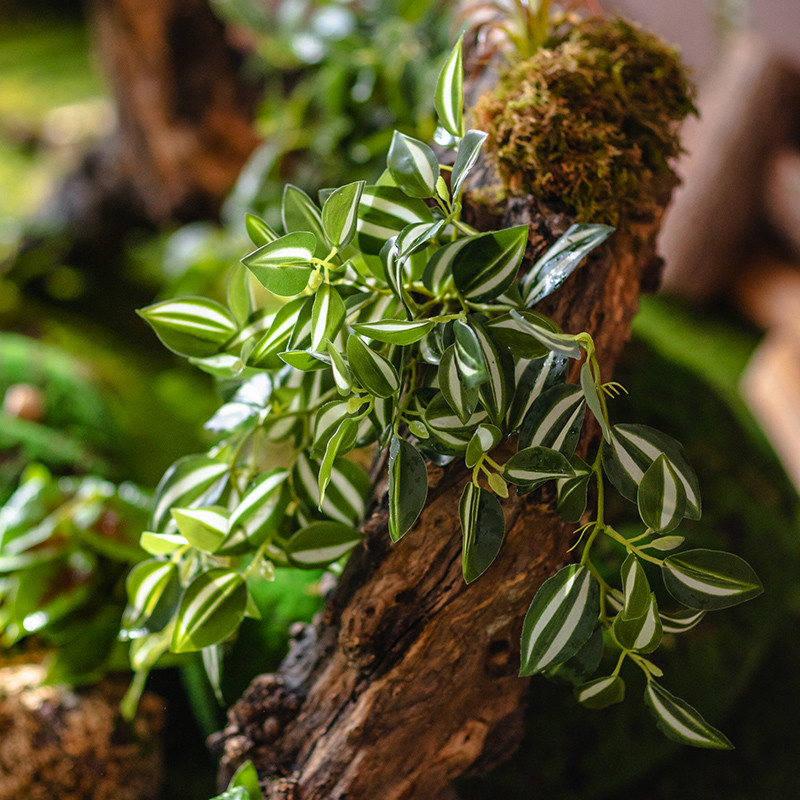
[591, 122]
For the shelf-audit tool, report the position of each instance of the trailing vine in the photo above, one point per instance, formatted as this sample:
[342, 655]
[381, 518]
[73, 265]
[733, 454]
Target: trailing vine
[403, 328]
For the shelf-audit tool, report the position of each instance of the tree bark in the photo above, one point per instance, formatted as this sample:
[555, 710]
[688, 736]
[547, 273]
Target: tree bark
[409, 679]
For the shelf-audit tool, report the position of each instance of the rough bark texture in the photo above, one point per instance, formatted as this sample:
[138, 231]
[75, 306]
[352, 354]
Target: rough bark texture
[409, 679]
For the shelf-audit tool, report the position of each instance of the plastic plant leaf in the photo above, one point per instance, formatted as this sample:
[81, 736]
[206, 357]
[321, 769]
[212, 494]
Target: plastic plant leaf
[191, 326]
[258, 513]
[572, 492]
[239, 294]
[633, 449]
[640, 633]
[449, 97]
[440, 417]
[413, 165]
[580, 667]
[483, 440]
[710, 579]
[535, 464]
[469, 149]
[460, 396]
[345, 495]
[342, 376]
[304, 360]
[190, 480]
[439, 269]
[283, 266]
[560, 619]
[678, 721]
[327, 315]
[591, 392]
[301, 333]
[664, 544]
[635, 587]
[321, 543]
[555, 420]
[246, 777]
[340, 214]
[161, 544]
[395, 331]
[408, 487]
[384, 211]
[148, 585]
[558, 263]
[300, 213]
[260, 232]
[203, 528]
[661, 497]
[482, 530]
[495, 392]
[514, 334]
[342, 441]
[488, 263]
[531, 378]
[469, 355]
[562, 344]
[374, 372]
[601, 692]
[680, 621]
[417, 236]
[264, 354]
[327, 421]
[236, 793]
[211, 609]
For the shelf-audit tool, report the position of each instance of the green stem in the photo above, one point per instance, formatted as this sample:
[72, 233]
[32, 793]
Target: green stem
[632, 548]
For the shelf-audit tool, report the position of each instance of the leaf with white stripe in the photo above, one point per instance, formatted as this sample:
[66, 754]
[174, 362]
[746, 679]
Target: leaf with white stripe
[414, 238]
[661, 497]
[593, 393]
[555, 419]
[203, 528]
[642, 633]
[340, 214]
[191, 326]
[495, 392]
[560, 620]
[372, 370]
[679, 721]
[283, 266]
[558, 263]
[161, 544]
[211, 609]
[190, 481]
[563, 344]
[449, 97]
[413, 165]
[710, 579]
[440, 417]
[514, 335]
[460, 396]
[635, 588]
[530, 380]
[327, 421]
[258, 514]
[469, 355]
[533, 465]
[300, 213]
[342, 441]
[260, 232]
[321, 543]
[265, 353]
[633, 449]
[395, 331]
[383, 212]
[439, 269]
[601, 692]
[408, 487]
[153, 589]
[469, 149]
[482, 530]
[572, 492]
[342, 376]
[488, 263]
[327, 315]
[345, 495]
[483, 440]
[583, 664]
[681, 620]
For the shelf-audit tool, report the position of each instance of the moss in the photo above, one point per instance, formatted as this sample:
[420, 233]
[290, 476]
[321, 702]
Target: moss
[591, 122]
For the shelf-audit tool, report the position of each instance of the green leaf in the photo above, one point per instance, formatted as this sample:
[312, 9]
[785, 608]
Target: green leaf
[384, 211]
[340, 214]
[562, 344]
[439, 269]
[374, 372]
[303, 360]
[283, 266]
[211, 609]
[678, 721]
[592, 394]
[320, 543]
[536, 464]
[395, 331]
[488, 262]
[408, 487]
[495, 392]
[239, 294]
[482, 530]
[153, 588]
[160, 544]
[449, 97]
[661, 497]
[710, 579]
[258, 514]
[560, 620]
[572, 492]
[469, 149]
[640, 633]
[460, 396]
[260, 232]
[439, 417]
[680, 621]
[342, 376]
[633, 449]
[327, 421]
[203, 528]
[483, 440]
[556, 265]
[635, 588]
[191, 326]
[601, 692]
[416, 237]
[469, 355]
[531, 378]
[264, 354]
[299, 214]
[664, 544]
[413, 165]
[514, 335]
[327, 315]
[583, 664]
[246, 777]
[344, 496]
[342, 441]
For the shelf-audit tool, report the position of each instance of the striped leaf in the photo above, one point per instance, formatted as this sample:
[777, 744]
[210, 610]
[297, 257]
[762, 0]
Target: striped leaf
[560, 620]
[641, 633]
[635, 588]
[191, 326]
[265, 353]
[592, 392]
[408, 487]
[304, 360]
[383, 212]
[558, 263]
[563, 344]
[161, 544]
[342, 376]
[678, 721]
[260, 232]
[633, 449]
[414, 238]
[395, 331]
[239, 294]
[321, 543]
[190, 481]
[514, 335]
[153, 588]
[601, 692]
[449, 97]
[482, 530]
[680, 621]
[345, 495]
[440, 417]
[327, 420]
[483, 440]
[460, 396]
[583, 664]
[327, 315]
[340, 214]
[211, 609]
[258, 514]
[283, 266]
[555, 420]
[374, 372]
[300, 213]
[572, 492]
[488, 263]
[531, 379]
[469, 149]
[469, 355]
[495, 392]
[710, 579]
[661, 497]
[203, 528]
[412, 165]
[439, 269]
[533, 465]
[342, 441]
[664, 544]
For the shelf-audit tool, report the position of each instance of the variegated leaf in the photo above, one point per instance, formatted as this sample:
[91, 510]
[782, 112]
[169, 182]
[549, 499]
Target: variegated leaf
[327, 315]
[384, 212]
[482, 530]
[258, 513]
[413, 165]
[555, 420]
[533, 465]
[408, 487]
[469, 149]
[321, 543]
[372, 370]
[395, 331]
[283, 266]
[448, 99]
[340, 214]
[601, 692]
